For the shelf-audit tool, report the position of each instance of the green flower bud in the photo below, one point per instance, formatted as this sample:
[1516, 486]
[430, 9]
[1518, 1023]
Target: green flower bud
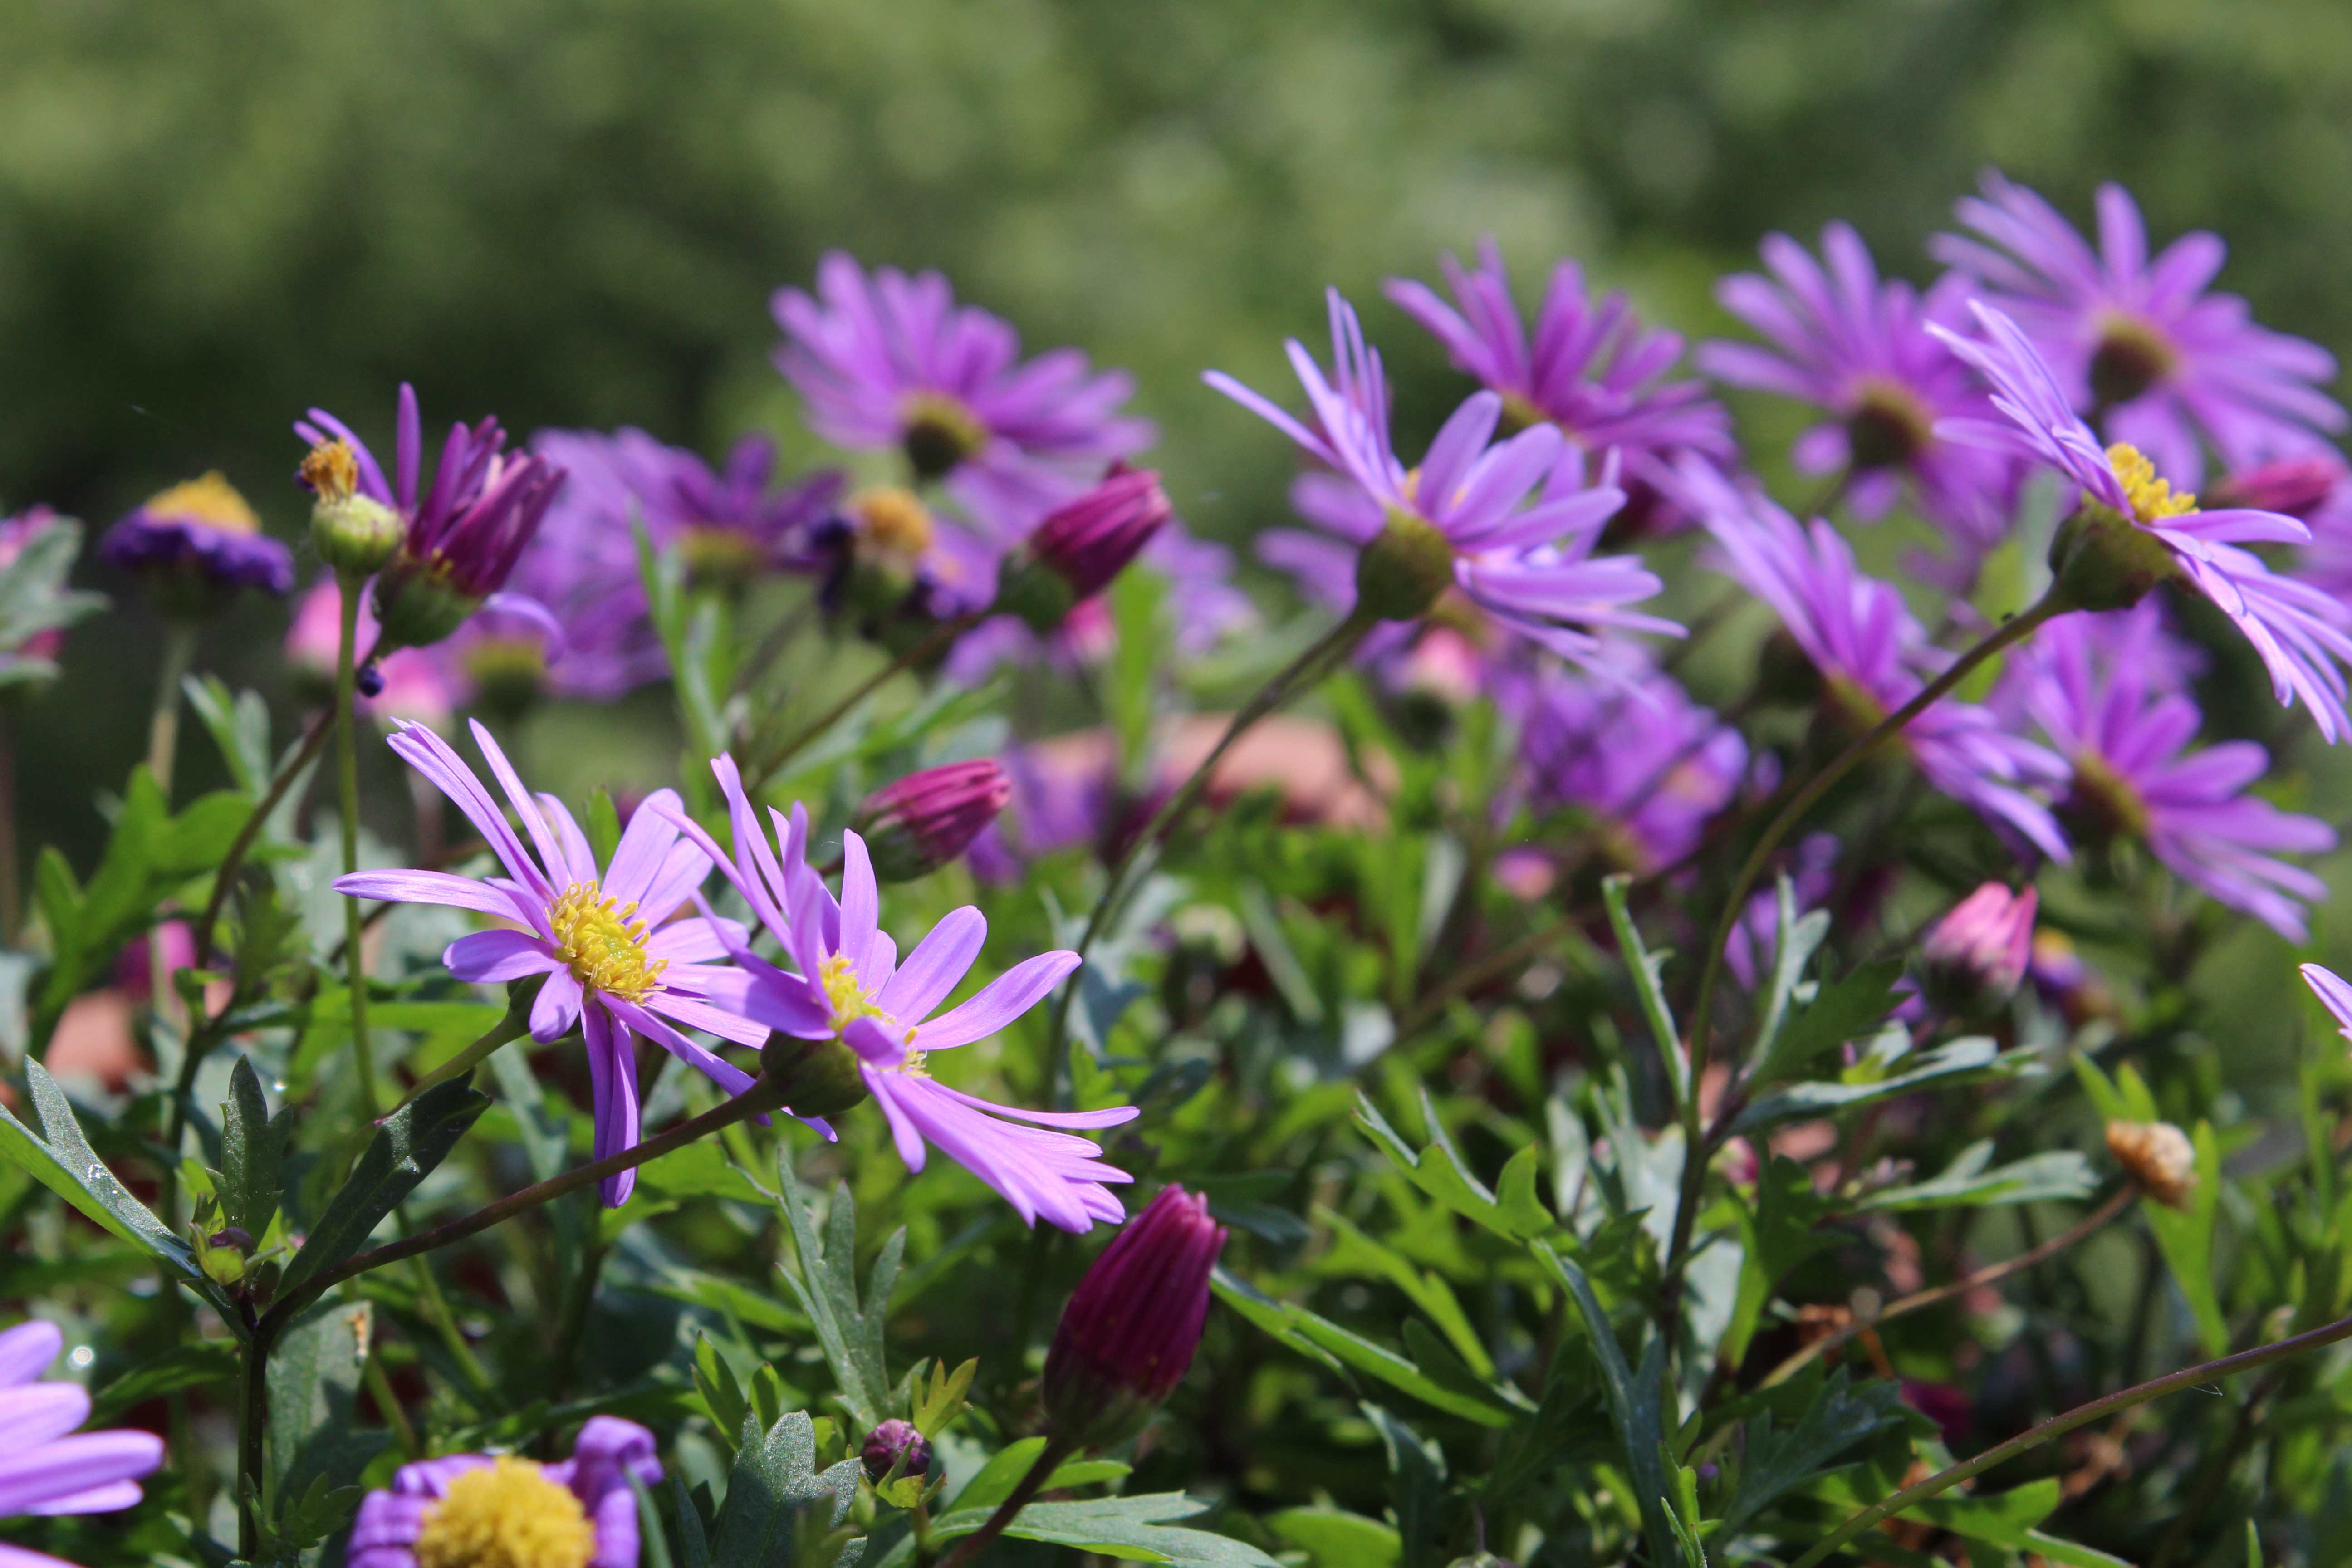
[1405, 568]
[2102, 560]
[816, 1077]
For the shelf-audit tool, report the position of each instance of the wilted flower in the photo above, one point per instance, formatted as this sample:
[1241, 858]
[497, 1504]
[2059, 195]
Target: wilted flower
[1126, 1337]
[1974, 958]
[483, 1510]
[888, 360]
[195, 544]
[612, 966]
[867, 1019]
[46, 1466]
[920, 823]
[895, 1444]
[463, 535]
[2159, 1156]
[2141, 339]
[1081, 545]
[1459, 520]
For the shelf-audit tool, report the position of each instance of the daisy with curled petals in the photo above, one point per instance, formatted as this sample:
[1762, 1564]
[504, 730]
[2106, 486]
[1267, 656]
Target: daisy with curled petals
[2132, 530]
[1464, 519]
[850, 988]
[613, 965]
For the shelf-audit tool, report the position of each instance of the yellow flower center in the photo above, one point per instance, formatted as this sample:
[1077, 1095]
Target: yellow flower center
[939, 431]
[211, 500]
[603, 944]
[851, 1001]
[506, 1515]
[2152, 500]
[331, 471]
[892, 520]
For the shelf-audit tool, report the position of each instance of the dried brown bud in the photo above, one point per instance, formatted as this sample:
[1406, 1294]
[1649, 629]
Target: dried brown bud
[2159, 1156]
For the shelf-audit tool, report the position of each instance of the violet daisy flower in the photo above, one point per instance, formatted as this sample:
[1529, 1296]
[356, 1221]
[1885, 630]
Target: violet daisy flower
[2085, 680]
[884, 556]
[850, 988]
[580, 1512]
[46, 1466]
[1858, 347]
[612, 966]
[1459, 520]
[2142, 340]
[730, 522]
[1873, 657]
[2131, 531]
[1591, 370]
[463, 535]
[197, 543]
[2334, 993]
[1635, 752]
[885, 360]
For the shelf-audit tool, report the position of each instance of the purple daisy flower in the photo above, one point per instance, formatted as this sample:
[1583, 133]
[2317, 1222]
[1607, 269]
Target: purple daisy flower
[1633, 750]
[2334, 994]
[484, 1508]
[1460, 517]
[2298, 630]
[730, 523]
[1858, 347]
[199, 543]
[851, 988]
[1065, 794]
[612, 966]
[46, 1466]
[885, 360]
[2085, 680]
[1591, 370]
[462, 536]
[2141, 341]
[1873, 657]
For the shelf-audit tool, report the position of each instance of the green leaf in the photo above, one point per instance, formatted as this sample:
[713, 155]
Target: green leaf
[779, 1506]
[1844, 1011]
[849, 1323]
[251, 1145]
[1424, 1505]
[2061, 1176]
[407, 1145]
[2185, 1237]
[1682, 1516]
[1333, 1538]
[1795, 941]
[1354, 1254]
[1322, 1341]
[994, 1480]
[702, 1171]
[1442, 1172]
[61, 1160]
[198, 1363]
[34, 597]
[1137, 602]
[1963, 1061]
[1643, 967]
[1779, 1463]
[239, 725]
[693, 1546]
[603, 825]
[1632, 1401]
[314, 1379]
[1779, 1233]
[1132, 1529]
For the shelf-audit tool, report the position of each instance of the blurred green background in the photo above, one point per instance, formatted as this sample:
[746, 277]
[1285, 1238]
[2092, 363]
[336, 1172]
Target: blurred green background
[213, 215]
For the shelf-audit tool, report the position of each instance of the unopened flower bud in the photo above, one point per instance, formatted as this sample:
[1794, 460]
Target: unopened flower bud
[417, 606]
[895, 1445]
[1975, 957]
[354, 531]
[1404, 569]
[1127, 1338]
[1075, 552]
[921, 822]
[2159, 1156]
[2102, 560]
[816, 1077]
[2294, 485]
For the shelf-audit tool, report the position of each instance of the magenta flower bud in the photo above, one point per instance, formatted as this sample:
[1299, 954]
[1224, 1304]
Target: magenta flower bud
[1976, 957]
[1127, 1338]
[891, 1443]
[923, 821]
[1080, 547]
[2293, 486]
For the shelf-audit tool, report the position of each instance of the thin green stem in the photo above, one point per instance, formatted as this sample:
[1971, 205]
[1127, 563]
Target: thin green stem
[253, 1417]
[1695, 1151]
[941, 636]
[314, 741]
[1031, 1484]
[380, 1385]
[445, 1323]
[1326, 650]
[163, 728]
[2059, 1425]
[348, 768]
[511, 1025]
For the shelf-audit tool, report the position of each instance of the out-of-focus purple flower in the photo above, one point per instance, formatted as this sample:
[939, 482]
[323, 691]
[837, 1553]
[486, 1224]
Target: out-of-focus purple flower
[916, 825]
[884, 556]
[1858, 348]
[2141, 341]
[1080, 546]
[2334, 994]
[869, 1017]
[1062, 794]
[1461, 520]
[464, 534]
[195, 544]
[612, 966]
[1975, 958]
[2298, 486]
[1873, 657]
[46, 1466]
[885, 360]
[1126, 1337]
[1811, 871]
[1948, 1406]
[1635, 752]
[486, 1509]
[730, 522]
[1591, 370]
[2108, 553]
[2084, 680]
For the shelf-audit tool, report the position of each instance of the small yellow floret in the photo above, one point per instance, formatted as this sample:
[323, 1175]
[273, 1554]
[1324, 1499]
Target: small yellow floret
[603, 944]
[506, 1515]
[211, 500]
[2151, 498]
[331, 471]
[892, 520]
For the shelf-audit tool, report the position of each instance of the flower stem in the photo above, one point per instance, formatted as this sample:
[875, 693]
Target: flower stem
[314, 741]
[941, 636]
[2059, 1425]
[1030, 1485]
[510, 1027]
[252, 1416]
[1694, 1154]
[348, 769]
[1309, 667]
[163, 728]
[11, 896]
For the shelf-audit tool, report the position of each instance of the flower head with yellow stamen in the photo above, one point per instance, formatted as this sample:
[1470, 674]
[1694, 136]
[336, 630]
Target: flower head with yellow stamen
[197, 544]
[483, 1510]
